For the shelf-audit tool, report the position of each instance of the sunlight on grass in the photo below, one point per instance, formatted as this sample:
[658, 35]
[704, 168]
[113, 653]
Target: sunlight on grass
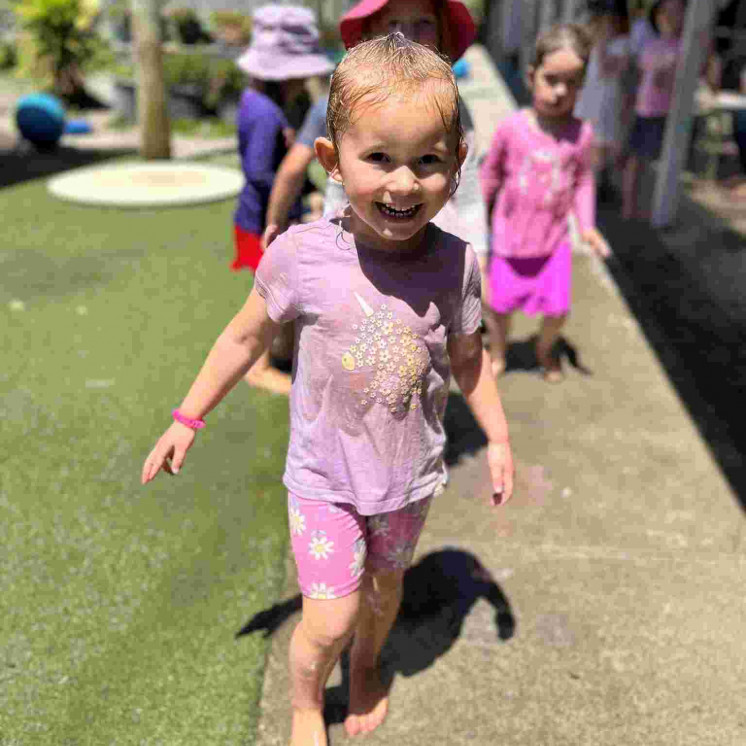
[121, 603]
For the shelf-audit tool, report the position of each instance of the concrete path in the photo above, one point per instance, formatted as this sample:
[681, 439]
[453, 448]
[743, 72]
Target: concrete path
[605, 604]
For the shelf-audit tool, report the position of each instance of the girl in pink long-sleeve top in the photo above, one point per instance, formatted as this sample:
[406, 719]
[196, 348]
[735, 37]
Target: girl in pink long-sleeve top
[538, 170]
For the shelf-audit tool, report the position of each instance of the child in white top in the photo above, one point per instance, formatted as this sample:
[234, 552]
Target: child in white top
[386, 305]
[602, 97]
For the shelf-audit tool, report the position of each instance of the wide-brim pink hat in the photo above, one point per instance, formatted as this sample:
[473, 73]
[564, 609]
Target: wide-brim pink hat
[456, 25]
[284, 45]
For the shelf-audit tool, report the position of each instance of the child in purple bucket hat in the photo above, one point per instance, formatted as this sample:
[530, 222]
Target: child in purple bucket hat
[283, 53]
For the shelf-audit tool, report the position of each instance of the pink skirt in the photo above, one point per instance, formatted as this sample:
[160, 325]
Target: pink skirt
[534, 285]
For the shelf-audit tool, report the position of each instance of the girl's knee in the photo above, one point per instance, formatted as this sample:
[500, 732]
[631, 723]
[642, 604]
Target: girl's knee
[328, 622]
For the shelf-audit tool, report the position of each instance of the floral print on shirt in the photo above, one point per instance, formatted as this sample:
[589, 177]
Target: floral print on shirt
[399, 359]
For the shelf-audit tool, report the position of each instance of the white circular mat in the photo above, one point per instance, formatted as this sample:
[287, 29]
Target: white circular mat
[155, 184]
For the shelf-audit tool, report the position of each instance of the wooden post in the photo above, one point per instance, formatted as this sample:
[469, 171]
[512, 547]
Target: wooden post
[152, 114]
[694, 46]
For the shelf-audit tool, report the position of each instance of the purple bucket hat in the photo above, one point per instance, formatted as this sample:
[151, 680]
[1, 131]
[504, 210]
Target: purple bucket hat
[284, 45]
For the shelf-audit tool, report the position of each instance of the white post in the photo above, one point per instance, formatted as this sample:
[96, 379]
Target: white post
[699, 18]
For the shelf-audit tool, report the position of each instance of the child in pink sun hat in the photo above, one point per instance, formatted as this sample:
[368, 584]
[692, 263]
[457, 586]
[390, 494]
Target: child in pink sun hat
[450, 22]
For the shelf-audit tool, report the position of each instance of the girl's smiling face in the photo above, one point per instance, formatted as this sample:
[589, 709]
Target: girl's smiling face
[556, 82]
[397, 162]
[416, 19]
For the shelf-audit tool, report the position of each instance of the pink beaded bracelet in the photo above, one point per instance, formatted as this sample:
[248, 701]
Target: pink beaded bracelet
[188, 421]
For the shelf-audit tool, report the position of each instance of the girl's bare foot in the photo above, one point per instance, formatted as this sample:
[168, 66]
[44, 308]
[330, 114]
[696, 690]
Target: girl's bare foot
[551, 369]
[308, 728]
[369, 701]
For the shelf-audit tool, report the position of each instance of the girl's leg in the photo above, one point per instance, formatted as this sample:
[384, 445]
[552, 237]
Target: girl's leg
[262, 375]
[630, 186]
[317, 642]
[379, 605]
[548, 336]
[498, 328]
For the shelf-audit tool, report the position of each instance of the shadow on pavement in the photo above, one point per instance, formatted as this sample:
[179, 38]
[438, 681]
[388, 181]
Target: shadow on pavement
[439, 592]
[686, 289]
[20, 165]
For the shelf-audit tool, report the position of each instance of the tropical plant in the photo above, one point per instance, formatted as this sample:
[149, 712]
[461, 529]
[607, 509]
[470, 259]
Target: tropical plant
[59, 42]
[231, 26]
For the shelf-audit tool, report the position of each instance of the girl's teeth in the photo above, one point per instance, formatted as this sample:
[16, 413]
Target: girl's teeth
[399, 213]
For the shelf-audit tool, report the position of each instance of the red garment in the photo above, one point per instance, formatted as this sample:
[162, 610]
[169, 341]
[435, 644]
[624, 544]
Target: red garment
[248, 249]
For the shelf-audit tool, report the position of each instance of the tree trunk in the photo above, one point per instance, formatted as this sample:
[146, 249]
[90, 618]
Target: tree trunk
[152, 114]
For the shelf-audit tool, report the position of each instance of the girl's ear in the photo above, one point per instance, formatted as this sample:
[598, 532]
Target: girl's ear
[327, 155]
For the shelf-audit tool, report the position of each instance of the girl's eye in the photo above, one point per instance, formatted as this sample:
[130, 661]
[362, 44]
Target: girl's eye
[430, 160]
[378, 157]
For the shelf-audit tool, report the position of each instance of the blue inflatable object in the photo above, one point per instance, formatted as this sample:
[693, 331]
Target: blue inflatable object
[461, 68]
[40, 119]
[78, 127]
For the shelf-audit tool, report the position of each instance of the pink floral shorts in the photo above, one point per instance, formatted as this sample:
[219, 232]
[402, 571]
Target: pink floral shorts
[333, 544]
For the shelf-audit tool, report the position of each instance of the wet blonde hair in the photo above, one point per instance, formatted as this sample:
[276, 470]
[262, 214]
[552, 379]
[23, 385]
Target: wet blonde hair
[375, 70]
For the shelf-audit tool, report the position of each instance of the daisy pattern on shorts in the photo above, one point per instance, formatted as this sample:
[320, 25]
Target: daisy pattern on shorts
[320, 547]
[400, 555]
[321, 590]
[358, 558]
[297, 521]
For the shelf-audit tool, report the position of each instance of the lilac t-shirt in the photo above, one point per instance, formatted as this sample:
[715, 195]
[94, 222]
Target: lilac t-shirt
[655, 94]
[371, 372]
[536, 180]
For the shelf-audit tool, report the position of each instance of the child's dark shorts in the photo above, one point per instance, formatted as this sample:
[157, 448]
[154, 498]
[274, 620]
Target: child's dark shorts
[646, 138]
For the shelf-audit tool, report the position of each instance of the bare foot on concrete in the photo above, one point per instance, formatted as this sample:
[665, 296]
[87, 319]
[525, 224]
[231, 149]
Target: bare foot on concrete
[269, 379]
[369, 701]
[308, 728]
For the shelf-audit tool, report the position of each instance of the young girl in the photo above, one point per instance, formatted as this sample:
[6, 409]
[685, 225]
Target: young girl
[283, 52]
[656, 64]
[386, 306]
[602, 96]
[537, 171]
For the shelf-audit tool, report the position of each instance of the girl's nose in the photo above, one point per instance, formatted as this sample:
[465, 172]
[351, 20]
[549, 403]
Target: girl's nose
[403, 181]
[560, 90]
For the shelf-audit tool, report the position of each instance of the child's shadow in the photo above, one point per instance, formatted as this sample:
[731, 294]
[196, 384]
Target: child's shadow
[439, 592]
[521, 355]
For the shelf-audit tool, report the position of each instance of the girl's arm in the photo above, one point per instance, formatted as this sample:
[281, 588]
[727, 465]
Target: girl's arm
[471, 369]
[584, 203]
[241, 343]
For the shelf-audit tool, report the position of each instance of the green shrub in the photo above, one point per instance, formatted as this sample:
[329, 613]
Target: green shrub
[58, 42]
[233, 27]
[8, 55]
[217, 79]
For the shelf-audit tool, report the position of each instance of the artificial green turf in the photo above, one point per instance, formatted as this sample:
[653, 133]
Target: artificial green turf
[119, 604]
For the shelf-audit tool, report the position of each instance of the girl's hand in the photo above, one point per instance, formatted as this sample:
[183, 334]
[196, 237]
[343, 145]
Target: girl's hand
[270, 234]
[500, 461]
[597, 242]
[169, 452]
